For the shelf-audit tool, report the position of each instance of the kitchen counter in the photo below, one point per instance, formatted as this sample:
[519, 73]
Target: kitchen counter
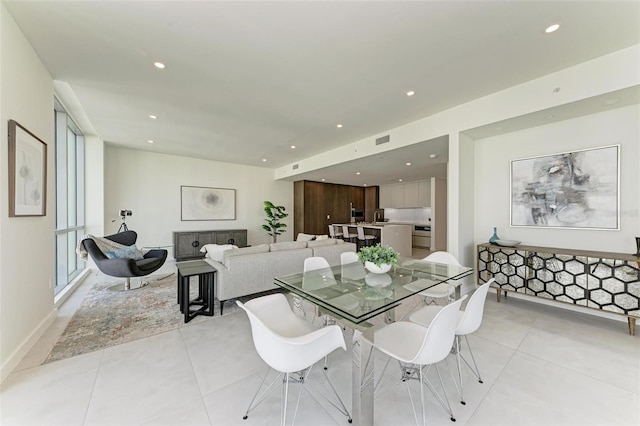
[397, 236]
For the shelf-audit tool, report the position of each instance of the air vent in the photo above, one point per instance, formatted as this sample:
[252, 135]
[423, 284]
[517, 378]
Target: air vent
[382, 140]
[295, 166]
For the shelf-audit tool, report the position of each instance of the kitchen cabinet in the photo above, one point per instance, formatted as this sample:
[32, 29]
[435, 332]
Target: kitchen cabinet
[317, 204]
[412, 194]
[424, 193]
[397, 196]
[386, 200]
[409, 195]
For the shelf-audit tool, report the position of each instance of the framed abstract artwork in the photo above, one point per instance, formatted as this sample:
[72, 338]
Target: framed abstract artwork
[578, 189]
[203, 203]
[27, 172]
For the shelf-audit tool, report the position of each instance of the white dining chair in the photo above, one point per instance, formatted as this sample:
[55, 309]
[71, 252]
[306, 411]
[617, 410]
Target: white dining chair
[351, 267]
[415, 347]
[333, 233]
[348, 235]
[442, 291]
[290, 346]
[469, 321]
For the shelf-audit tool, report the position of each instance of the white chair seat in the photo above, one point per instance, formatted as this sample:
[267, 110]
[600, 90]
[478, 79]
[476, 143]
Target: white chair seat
[400, 340]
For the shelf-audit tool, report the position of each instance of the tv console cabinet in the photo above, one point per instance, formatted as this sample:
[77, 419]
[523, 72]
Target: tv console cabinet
[187, 244]
[592, 279]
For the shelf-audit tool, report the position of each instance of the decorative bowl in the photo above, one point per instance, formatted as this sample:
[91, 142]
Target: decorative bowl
[372, 267]
[507, 243]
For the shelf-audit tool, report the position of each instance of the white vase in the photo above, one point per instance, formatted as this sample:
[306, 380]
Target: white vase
[372, 267]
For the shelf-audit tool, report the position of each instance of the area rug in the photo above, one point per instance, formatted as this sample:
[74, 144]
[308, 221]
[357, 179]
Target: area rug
[106, 318]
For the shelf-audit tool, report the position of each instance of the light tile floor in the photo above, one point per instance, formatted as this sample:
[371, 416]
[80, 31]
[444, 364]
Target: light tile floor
[541, 365]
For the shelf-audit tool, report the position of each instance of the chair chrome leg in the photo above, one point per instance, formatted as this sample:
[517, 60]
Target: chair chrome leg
[460, 390]
[475, 369]
[285, 395]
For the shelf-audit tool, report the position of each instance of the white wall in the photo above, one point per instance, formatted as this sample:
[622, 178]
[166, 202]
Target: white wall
[149, 185]
[27, 243]
[493, 158]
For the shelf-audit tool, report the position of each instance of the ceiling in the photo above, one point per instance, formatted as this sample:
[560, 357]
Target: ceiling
[245, 81]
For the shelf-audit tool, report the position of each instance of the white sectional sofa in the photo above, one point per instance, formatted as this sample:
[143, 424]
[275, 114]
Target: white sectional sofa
[250, 270]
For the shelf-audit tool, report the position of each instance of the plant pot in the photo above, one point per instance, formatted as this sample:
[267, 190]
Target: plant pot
[371, 267]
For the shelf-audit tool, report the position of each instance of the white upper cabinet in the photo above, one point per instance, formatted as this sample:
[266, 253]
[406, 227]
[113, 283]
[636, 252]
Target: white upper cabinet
[386, 199]
[398, 196]
[424, 193]
[412, 194]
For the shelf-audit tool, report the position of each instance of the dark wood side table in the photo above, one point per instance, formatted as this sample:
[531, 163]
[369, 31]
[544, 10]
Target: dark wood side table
[206, 288]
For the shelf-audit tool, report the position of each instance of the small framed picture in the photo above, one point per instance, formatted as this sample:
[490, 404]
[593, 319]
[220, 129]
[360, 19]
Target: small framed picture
[27, 172]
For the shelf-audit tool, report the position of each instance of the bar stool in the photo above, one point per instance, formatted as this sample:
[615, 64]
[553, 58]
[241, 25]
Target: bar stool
[333, 233]
[348, 235]
[365, 239]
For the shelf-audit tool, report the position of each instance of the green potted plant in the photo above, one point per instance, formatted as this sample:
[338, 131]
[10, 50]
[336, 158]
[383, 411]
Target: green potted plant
[378, 259]
[275, 214]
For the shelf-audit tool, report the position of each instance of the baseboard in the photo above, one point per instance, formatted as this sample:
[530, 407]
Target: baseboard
[23, 349]
[561, 305]
[70, 288]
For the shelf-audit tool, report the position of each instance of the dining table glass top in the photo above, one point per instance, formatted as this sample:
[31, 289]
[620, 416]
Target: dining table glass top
[352, 293]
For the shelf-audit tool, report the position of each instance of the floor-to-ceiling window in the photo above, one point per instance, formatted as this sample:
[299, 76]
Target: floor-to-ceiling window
[69, 198]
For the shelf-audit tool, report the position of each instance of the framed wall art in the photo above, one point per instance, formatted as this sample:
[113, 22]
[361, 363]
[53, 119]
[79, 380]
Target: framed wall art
[203, 203]
[27, 172]
[578, 189]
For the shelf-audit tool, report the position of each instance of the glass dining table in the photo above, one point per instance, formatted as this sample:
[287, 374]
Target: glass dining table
[353, 296]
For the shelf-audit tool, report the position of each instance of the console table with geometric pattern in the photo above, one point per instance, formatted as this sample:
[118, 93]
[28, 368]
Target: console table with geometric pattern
[592, 279]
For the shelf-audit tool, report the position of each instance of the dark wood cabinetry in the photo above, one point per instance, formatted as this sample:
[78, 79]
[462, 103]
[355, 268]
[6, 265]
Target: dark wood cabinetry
[187, 244]
[317, 204]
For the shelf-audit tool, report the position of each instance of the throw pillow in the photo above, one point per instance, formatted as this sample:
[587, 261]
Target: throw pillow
[304, 237]
[318, 243]
[215, 251]
[129, 252]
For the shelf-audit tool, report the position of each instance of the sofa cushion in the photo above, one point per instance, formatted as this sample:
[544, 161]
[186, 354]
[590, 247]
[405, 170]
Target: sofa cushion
[325, 242]
[262, 248]
[288, 245]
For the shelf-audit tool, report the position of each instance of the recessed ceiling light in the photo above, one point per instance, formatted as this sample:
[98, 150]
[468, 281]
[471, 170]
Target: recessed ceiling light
[399, 180]
[433, 155]
[264, 160]
[411, 93]
[153, 117]
[159, 65]
[408, 164]
[149, 141]
[548, 117]
[357, 173]
[365, 184]
[552, 28]
[323, 179]
[339, 126]
[293, 147]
